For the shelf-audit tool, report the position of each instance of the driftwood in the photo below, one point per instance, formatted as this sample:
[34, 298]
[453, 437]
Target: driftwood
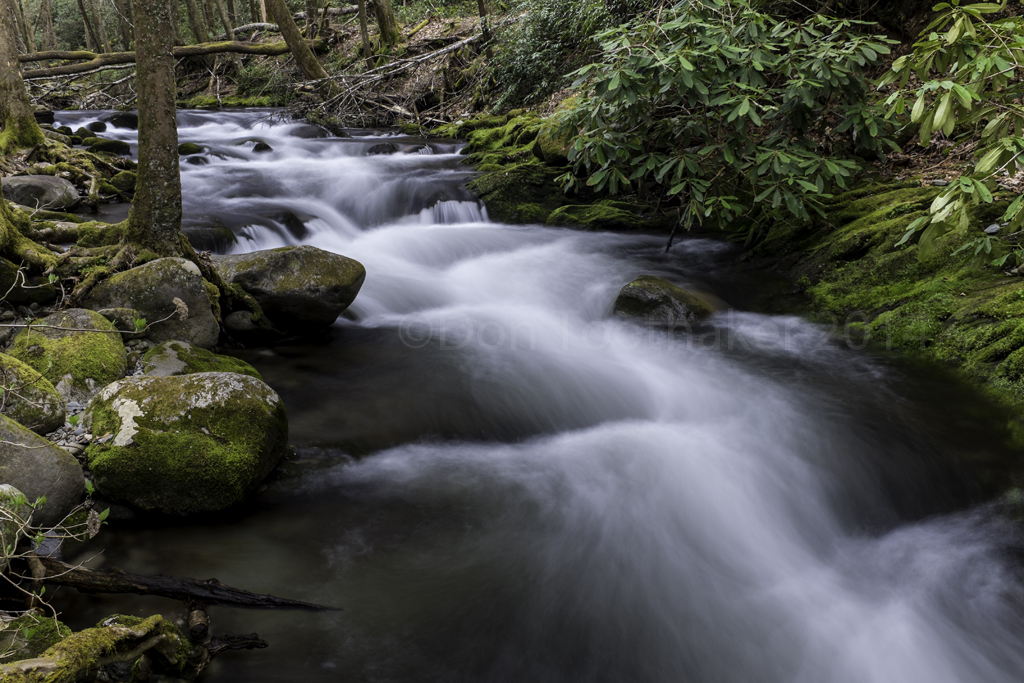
[97, 61]
[209, 592]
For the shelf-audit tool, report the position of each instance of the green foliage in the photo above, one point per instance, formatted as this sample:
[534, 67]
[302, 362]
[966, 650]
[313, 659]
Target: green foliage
[967, 78]
[719, 105]
[546, 41]
[264, 79]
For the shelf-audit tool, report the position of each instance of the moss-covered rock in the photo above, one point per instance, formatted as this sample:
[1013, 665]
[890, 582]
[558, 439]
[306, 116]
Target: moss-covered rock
[38, 468]
[77, 350]
[656, 301]
[604, 215]
[178, 358]
[298, 288]
[151, 289]
[41, 192]
[187, 148]
[30, 635]
[185, 444]
[521, 193]
[551, 148]
[125, 181]
[116, 147]
[28, 398]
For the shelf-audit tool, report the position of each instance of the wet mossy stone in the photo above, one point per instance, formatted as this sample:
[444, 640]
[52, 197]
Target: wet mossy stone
[178, 358]
[125, 181]
[151, 289]
[187, 148]
[553, 150]
[520, 193]
[299, 288]
[84, 132]
[30, 635]
[38, 468]
[598, 217]
[656, 301]
[381, 148]
[116, 147]
[77, 350]
[262, 147]
[97, 127]
[185, 444]
[29, 399]
[41, 192]
[123, 119]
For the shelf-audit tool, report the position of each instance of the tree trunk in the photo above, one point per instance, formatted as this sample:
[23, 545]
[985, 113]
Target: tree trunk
[124, 24]
[254, 14]
[154, 221]
[364, 31]
[304, 57]
[90, 32]
[20, 130]
[229, 31]
[26, 27]
[387, 24]
[233, 12]
[208, 14]
[195, 22]
[46, 18]
[311, 17]
[263, 11]
[101, 28]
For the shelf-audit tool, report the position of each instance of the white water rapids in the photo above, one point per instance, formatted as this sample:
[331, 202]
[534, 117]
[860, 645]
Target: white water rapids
[546, 493]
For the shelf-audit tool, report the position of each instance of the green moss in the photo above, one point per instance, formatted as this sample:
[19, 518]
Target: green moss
[20, 134]
[214, 294]
[529, 184]
[600, 216]
[96, 356]
[941, 307]
[31, 635]
[115, 147]
[196, 359]
[125, 181]
[188, 455]
[187, 148]
[96, 234]
[28, 398]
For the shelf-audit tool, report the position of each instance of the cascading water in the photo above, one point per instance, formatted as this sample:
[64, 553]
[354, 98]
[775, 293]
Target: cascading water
[545, 493]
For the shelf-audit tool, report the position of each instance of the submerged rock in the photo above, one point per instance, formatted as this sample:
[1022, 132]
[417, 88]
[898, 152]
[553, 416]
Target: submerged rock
[187, 148]
[123, 119]
[299, 288]
[381, 148]
[30, 399]
[77, 350]
[178, 358]
[41, 192]
[656, 301]
[185, 444]
[38, 468]
[152, 288]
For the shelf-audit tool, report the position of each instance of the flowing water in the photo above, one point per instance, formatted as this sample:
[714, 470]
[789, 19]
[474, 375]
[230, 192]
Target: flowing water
[497, 481]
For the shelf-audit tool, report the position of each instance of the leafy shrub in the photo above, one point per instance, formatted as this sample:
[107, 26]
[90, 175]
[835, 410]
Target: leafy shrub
[727, 109]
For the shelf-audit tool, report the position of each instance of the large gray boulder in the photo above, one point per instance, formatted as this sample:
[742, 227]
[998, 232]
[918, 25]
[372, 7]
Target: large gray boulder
[151, 289]
[77, 350]
[38, 468]
[29, 398]
[41, 192]
[299, 288]
[656, 301]
[185, 444]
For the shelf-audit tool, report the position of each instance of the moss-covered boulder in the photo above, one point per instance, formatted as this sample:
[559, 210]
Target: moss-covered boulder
[41, 192]
[656, 301]
[125, 181]
[604, 215]
[179, 358]
[299, 288]
[38, 468]
[77, 350]
[116, 147]
[551, 148]
[187, 148]
[28, 398]
[152, 289]
[185, 444]
[30, 635]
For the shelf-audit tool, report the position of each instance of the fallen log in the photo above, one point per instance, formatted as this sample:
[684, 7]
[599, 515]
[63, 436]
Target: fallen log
[209, 592]
[97, 60]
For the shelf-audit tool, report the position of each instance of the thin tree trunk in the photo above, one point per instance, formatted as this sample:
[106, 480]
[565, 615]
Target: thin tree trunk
[195, 22]
[101, 29]
[124, 24]
[364, 31]
[46, 15]
[311, 17]
[20, 130]
[229, 31]
[233, 12]
[209, 14]
[387, 24]
[176, 18]
[154, 221]
[90, 32]
[253, 12]
[304, 57]
[26, 27]
[263, 11]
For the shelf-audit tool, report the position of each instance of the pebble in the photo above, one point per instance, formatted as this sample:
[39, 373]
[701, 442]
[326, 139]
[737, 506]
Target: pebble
[940, 183]
[993, 229]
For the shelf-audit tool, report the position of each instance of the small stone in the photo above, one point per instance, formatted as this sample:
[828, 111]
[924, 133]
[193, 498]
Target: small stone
[78, 431]
[993, 229]
[940, 183]
[262, 147]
